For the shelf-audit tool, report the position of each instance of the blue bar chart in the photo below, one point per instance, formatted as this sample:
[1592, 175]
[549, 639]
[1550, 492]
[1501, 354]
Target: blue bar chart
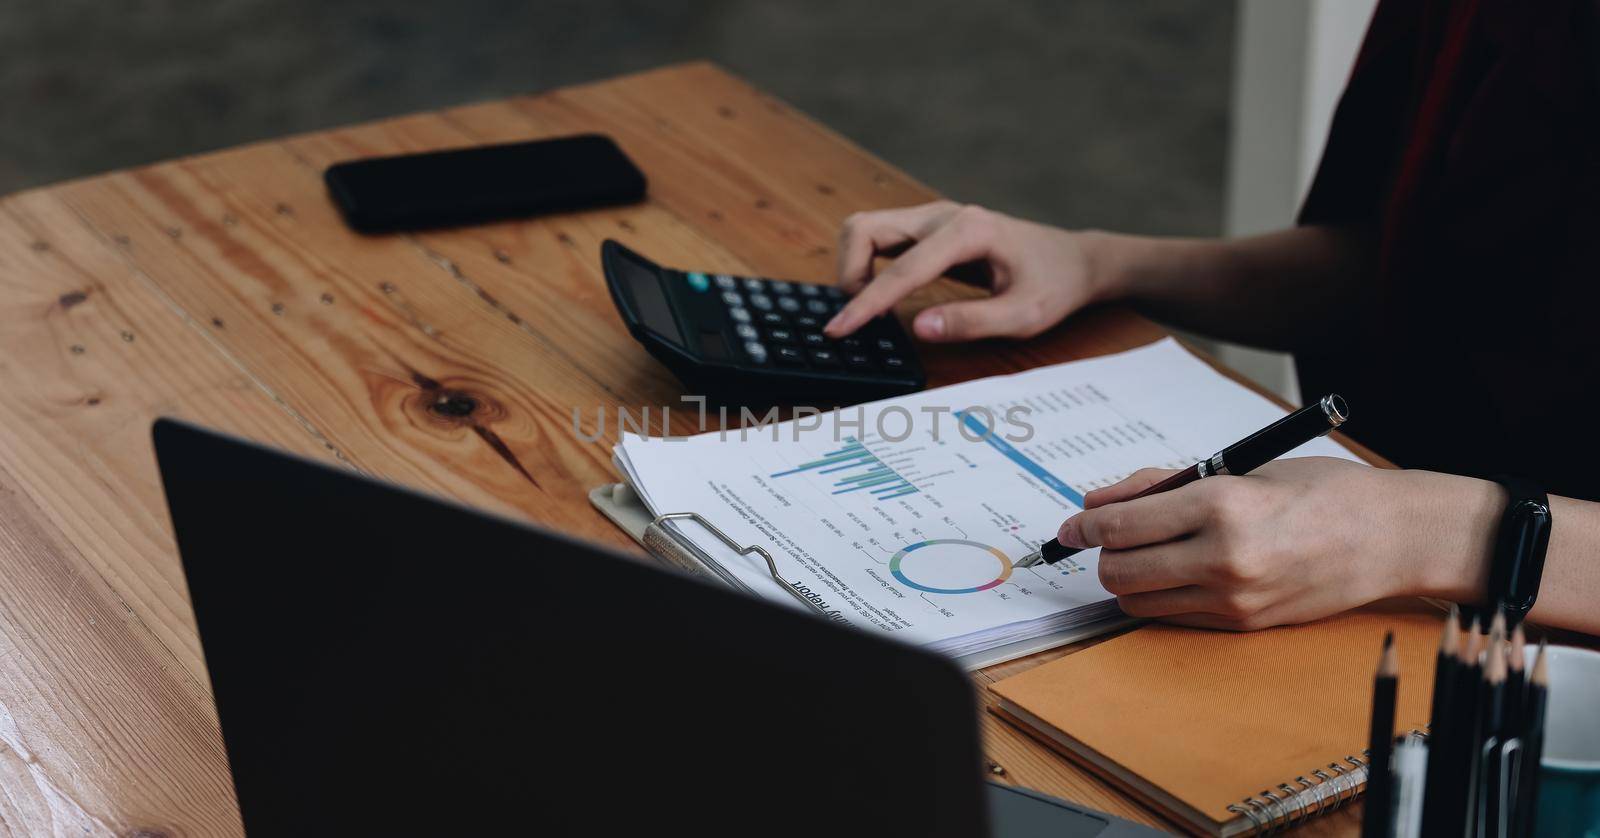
[854, 468]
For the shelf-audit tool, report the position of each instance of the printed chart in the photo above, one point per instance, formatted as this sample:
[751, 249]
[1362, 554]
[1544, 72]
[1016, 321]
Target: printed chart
[950, 566]
[856, 469]
[907, 515]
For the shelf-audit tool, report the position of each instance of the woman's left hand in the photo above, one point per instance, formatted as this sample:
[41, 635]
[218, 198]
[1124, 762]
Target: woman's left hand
[1292, 541]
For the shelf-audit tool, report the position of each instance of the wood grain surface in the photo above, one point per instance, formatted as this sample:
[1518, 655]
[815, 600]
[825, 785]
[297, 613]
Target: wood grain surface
[225, 290]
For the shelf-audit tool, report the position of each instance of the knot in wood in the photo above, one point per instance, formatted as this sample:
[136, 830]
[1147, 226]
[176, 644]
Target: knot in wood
[454, 404]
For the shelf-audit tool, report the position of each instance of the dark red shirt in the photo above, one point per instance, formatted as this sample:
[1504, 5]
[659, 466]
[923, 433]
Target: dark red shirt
[1467, 139]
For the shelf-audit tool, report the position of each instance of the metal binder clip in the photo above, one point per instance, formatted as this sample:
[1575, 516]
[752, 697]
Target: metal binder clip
[772, 566]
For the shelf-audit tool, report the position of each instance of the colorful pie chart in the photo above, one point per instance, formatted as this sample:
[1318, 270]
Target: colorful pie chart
[950, 566]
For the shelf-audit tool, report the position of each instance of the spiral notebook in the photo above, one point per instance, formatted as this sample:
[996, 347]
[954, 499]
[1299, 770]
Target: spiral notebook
[1230, 734]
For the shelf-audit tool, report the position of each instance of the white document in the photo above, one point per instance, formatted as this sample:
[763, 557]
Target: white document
[904, 516]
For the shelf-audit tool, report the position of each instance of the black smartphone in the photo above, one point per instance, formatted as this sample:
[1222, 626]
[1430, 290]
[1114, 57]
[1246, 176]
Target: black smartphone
[485, 183]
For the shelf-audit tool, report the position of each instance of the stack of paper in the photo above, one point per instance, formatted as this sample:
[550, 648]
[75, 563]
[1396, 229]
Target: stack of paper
[905, 516]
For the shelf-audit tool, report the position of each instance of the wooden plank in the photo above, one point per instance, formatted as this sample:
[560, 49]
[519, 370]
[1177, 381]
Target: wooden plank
[543, 274]
[93, 355]
[106, 722]
[403, 369]
[100, 729]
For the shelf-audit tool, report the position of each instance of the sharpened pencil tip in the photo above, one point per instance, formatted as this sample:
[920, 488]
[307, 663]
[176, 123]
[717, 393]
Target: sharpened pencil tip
[1472, 644]
[1389, 663]
[1451, 642]
[1494, 665]
[1497, 626]
[1541, 667]
[1516, 651]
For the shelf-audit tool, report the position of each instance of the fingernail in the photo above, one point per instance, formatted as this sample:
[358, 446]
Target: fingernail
[931, 326]
[1070, 534]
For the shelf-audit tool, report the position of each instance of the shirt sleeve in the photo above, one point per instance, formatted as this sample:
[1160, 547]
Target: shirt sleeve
[1369, 125]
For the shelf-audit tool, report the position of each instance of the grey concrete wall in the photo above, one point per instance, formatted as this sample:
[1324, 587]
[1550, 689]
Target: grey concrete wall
[1098, 112]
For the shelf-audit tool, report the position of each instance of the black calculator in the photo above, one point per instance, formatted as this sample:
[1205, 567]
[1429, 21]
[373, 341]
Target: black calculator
[745, 340]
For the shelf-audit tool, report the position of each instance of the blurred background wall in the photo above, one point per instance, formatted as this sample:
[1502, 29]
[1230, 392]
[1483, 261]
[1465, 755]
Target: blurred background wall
[1097, 113]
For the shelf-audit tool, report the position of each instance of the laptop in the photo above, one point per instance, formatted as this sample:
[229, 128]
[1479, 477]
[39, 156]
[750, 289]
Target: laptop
[385, 662]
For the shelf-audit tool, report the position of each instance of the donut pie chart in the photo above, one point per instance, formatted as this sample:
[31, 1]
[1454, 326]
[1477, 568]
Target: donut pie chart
[950, 566]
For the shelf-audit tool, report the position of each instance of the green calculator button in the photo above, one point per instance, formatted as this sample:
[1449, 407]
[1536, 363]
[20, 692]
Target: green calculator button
[699, 281]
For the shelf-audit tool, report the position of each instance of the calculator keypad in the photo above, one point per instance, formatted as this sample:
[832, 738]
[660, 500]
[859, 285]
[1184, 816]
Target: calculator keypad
[781, 322]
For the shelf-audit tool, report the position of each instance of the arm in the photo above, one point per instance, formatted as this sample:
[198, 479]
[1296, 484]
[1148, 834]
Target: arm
[1284, 290]
[1569, 591]
[1303, 538]
[1276, 289]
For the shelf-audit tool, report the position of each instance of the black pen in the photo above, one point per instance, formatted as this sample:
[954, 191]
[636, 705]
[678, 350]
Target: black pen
[1263, 446]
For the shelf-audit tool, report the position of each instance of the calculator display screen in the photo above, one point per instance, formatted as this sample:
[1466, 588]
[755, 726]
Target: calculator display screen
[649, 299]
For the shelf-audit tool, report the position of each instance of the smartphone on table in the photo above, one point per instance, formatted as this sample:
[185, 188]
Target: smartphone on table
[483, 183]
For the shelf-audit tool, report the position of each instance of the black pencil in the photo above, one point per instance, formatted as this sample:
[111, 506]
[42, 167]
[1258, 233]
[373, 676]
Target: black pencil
[1376, 819]
[1492, 730]
[1516, 678]
[1511, 729]
[1464, 732]
[1527, 798]
[1437, 795]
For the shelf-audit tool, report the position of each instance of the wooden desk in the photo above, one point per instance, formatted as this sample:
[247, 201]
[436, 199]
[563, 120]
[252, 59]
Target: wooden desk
[224, 289]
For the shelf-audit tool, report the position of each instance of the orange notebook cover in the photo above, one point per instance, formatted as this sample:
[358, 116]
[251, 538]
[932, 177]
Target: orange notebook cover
[1203, 724]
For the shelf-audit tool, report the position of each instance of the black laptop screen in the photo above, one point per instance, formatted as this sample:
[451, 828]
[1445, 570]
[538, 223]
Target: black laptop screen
[384, 662]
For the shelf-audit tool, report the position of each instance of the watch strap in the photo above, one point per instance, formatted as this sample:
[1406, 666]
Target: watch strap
[1517, 564]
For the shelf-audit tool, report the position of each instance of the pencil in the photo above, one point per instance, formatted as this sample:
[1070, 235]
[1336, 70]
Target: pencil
[1376, 819]
[1436, 793]
[1512, 741]
[1464, 733]
[1527, 804]
[1491, 732]
[1516, 680]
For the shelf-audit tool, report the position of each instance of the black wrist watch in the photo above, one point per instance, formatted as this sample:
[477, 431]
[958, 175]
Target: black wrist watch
[1517, 564]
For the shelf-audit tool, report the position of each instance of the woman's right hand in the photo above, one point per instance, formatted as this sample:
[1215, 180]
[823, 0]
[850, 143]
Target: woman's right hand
[1040, 273]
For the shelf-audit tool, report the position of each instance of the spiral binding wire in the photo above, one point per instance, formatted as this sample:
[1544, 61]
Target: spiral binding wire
[1270, 811]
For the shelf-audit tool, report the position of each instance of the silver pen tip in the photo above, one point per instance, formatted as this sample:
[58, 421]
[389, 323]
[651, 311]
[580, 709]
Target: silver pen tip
[1031, 560]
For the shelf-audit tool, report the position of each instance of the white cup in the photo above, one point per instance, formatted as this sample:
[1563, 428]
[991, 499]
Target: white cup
[1569, 775]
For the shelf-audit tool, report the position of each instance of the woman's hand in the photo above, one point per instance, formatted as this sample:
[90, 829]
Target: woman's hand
[1292, 541]
[1040, 274]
